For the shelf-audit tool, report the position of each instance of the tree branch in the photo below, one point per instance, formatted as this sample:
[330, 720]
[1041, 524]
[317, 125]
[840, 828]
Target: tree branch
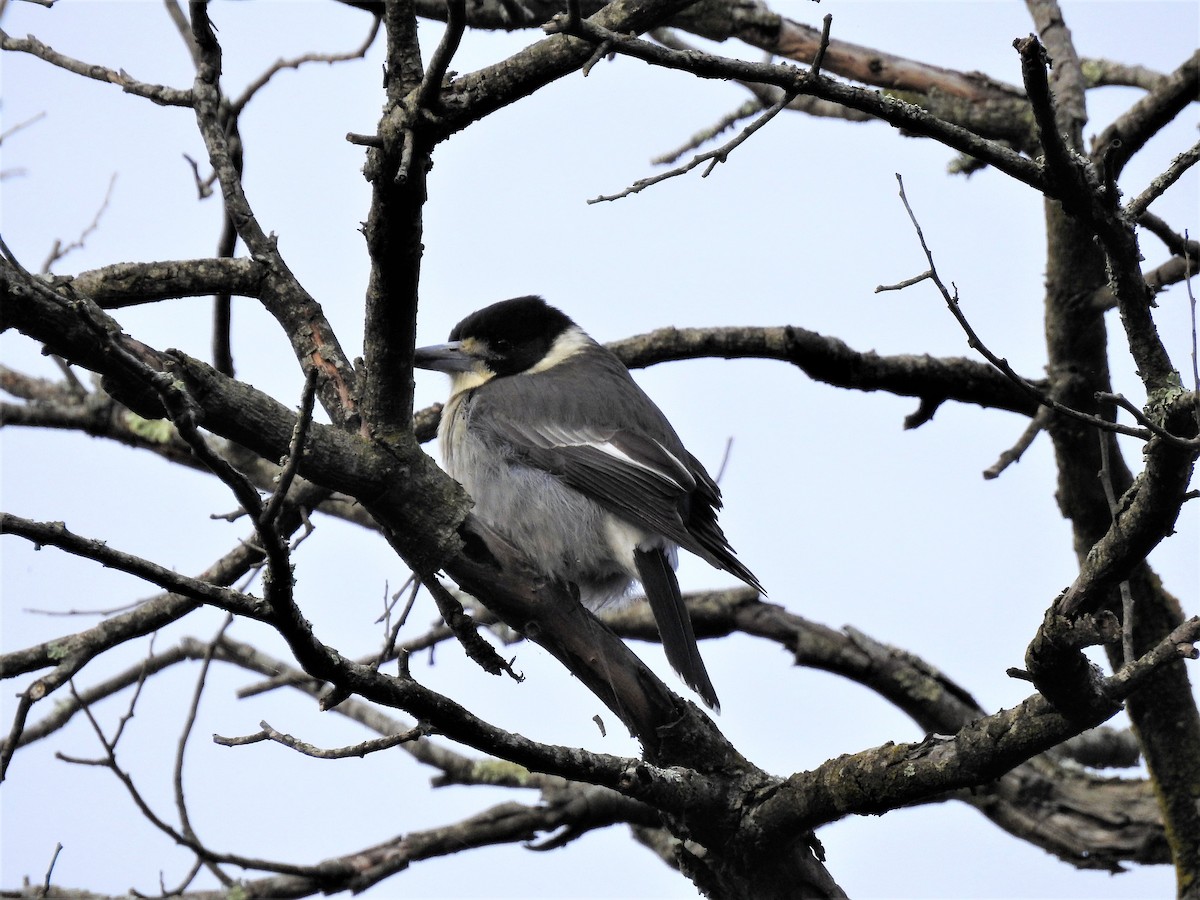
[831, 361]
[157, 93]
[1127, 134]
[300, 316]
[903, 115]
[984, 749]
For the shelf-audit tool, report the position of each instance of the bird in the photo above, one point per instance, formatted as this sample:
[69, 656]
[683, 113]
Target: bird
[569, 459]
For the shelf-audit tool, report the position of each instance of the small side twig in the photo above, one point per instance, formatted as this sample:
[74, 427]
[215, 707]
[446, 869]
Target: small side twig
[1189, 269]
[456, 25]
[109, 761]
[156, 93]
[59, 251]
[819, 59]
[1179, 644]
[907, 282]
[1110, 495]
[185, 819]
[712, 157]
[747, 109]
[359, 750]
[974, 342]
[25, 701]
[464, 628]
[45, 888]
[1184, 161]
[32, 120]
[1142, 419]
[1016, 451]
[291, 463]
[388, 651]
[603, 49]
[296, 62]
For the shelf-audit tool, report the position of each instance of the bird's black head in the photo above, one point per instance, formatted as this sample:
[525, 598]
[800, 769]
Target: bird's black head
[515, 335]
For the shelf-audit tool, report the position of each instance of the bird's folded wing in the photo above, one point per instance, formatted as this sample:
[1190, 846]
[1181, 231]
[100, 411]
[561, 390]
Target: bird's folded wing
[639, 472]
[634, 477]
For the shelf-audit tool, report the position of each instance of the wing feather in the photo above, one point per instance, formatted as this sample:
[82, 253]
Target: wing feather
[614, 446]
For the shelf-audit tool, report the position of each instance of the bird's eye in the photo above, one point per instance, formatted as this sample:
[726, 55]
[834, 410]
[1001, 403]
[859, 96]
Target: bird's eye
[502, 345]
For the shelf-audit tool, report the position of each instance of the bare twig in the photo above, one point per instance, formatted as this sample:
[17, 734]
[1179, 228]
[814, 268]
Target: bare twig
[133, 700]
[764, 95]
[906, 283]
[25, 701]
[747, 109]
[50, 870]
[603, 50]
[1110, 494]
[1017, 450]
[819, 59]
[974, 342]
[1179, 644]
[177, 890]
[183, 27]
[185, 822]
[712, 157]
[236, 106]
[109, 761]
[795, 81]
[353, 750]
[59, 250]
[388, 651]
[456, 25]
[9, 132]
[1180, 164]
[290, 463]
[157, 93]
[204, 185]
[1142, 419]
[466, 630]
[55, 534]
[1189, 264]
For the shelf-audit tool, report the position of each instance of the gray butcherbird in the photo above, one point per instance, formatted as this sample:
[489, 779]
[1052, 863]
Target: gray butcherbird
[568, 458]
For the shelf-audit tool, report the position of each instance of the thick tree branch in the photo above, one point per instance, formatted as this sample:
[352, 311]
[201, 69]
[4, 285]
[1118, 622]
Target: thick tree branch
[983, 750]
[989, 107]
[1118, 143]
[396, 170]
[129, 284]
[1082, 196]
[1090, 822]
[831, 361]
[1091, 243]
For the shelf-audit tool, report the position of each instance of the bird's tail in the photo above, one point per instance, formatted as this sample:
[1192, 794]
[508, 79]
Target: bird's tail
[674, 624]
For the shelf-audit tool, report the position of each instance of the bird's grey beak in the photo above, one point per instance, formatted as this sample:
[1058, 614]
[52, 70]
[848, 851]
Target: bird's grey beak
[448, 358]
